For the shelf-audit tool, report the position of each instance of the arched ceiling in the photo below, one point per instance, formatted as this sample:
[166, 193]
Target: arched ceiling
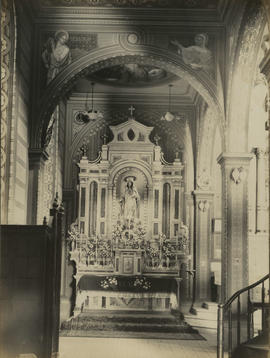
[181, 91]
[133, 75]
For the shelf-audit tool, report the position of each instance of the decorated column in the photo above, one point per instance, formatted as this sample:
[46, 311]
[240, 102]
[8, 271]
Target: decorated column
[234, 246]
[203, 206]
[109, 210]
[261, 193]
[189, 220]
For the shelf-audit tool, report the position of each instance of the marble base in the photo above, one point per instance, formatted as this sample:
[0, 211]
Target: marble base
[96, 300]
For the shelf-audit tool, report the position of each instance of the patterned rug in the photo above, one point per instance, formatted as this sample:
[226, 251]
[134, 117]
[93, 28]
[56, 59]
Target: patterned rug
[129, 324]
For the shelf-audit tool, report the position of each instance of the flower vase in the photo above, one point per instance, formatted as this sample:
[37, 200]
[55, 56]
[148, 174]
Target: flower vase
[167, 262]
[103, 261]
[153, 262]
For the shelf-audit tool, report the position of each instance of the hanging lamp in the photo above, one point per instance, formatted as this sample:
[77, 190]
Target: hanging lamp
[168, 116]
[89, 114]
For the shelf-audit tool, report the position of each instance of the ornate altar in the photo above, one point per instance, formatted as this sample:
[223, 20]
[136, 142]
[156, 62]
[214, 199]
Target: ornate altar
[130, 209]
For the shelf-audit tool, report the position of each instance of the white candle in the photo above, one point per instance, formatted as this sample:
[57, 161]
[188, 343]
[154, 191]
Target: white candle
[96, 247]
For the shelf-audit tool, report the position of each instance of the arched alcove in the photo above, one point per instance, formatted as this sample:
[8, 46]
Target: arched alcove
[102, 58]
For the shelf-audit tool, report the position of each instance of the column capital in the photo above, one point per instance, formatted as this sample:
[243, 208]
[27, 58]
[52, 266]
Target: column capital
[189, 198]
[37, 155]
[203, 194]
[232, 159]
[259, 152]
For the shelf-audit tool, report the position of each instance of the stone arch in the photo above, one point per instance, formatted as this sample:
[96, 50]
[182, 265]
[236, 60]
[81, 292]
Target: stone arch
[242, 76]
[102, 58]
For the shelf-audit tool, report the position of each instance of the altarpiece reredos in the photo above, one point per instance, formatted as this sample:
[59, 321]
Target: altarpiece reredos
[130, 214]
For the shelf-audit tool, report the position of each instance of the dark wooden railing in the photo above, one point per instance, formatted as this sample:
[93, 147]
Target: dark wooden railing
[236, 317]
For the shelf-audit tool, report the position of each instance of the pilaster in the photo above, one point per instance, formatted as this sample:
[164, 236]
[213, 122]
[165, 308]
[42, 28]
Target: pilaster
[37, 159]
[203, 206]
[234, 276]
[189, 221]
[260, 198]
[68, 202]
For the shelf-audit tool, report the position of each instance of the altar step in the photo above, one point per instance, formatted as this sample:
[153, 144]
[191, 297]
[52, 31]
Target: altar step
[204, 318]
[91, 322]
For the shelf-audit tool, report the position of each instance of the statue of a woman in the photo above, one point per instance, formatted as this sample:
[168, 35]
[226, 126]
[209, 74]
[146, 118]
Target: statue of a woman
[56, 54]
[130, 200]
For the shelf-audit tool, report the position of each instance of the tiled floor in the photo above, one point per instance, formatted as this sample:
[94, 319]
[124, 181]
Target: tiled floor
[81, 347]
[134, 348]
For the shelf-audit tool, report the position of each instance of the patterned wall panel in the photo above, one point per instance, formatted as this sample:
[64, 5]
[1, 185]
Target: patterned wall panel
[18, 179]
[6, 89]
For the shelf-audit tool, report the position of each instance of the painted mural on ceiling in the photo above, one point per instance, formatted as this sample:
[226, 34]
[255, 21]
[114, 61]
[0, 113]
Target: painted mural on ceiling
[132, 74]
[175, 4]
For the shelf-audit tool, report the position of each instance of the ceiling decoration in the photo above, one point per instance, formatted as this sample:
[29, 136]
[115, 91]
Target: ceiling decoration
[175, 4]
[132, 75]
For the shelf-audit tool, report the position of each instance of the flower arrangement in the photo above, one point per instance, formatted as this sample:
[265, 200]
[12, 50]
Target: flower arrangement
[130, 234]
[117, 231]
[90, 248]
[104, 249]
[140, 232]
[167, 248]
[183, 243]
[152, 252]
[142, 283]
[162, 238]
[109, 282]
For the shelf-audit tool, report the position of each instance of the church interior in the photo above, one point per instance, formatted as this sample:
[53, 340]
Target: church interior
[135, 178]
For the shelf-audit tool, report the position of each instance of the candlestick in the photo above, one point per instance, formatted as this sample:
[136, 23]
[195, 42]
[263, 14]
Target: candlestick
[96, 248]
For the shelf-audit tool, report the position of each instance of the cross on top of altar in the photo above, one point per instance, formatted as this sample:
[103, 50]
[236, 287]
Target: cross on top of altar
[131, 109]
